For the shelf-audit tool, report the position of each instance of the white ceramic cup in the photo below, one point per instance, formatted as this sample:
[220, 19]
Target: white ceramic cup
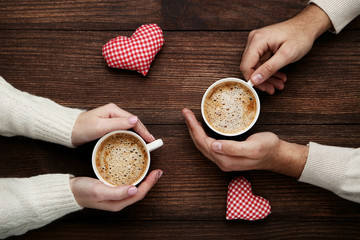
[249, 86]
[149, 147]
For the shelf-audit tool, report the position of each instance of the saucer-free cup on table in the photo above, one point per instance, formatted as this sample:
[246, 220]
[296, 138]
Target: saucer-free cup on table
[122, 158]
[230, 106]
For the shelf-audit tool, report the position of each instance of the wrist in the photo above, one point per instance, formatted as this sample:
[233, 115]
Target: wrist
[290, 159]
[313, 20]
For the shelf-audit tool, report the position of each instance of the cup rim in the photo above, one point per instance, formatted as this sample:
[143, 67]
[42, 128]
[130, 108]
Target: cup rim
[93, 158]
[244, 83]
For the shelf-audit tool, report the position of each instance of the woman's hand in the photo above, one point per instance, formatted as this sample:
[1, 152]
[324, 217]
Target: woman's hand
[92, 193]
[95, 123]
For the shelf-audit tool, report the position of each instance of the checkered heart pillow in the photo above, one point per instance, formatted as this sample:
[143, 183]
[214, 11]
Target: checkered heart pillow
[137, 52]
[243, 204]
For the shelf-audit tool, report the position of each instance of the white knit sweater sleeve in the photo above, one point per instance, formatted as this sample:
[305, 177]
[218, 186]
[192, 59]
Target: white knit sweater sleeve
[340, 12]
[29, 203]
[36, 117]
[334, 168]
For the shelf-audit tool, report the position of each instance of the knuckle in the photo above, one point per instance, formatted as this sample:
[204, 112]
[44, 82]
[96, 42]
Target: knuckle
[256, 35]
[288, 52]
[243, 67]
[111, 106]
[253, 33]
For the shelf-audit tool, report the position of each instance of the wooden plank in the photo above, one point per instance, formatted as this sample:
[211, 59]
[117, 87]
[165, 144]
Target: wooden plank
[267, 229]
[128, 15]
[322, 88]
[192, 187]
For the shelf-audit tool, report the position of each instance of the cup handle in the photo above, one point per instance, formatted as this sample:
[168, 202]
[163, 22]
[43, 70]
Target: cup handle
[250, 83]
[154, 145]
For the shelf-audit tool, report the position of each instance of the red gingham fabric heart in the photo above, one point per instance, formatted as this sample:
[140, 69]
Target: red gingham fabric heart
[243, 204]
[137, 52]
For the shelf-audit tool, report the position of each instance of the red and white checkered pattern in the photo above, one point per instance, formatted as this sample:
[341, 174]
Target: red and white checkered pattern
[137, 52]
[243, 204]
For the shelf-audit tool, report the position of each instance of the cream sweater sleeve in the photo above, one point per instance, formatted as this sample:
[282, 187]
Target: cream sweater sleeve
[40, 118]
[29, 203]
[340, 12]
[334, 168]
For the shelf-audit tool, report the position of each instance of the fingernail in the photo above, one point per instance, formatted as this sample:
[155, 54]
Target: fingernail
[152, 137]
[216, 146]
[257, 78]
[132, 191]
[133, 120]
[159, 174]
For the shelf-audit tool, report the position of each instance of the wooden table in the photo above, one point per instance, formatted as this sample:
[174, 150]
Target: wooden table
[53, 49]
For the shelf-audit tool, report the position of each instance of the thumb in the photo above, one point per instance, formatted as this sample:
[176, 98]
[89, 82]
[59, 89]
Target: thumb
[232, 148]
[271, 66]
[118, 123]
[107, 193]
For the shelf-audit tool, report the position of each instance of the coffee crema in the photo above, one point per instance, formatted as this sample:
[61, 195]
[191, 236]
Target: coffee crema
[230, 107]
[121, 159]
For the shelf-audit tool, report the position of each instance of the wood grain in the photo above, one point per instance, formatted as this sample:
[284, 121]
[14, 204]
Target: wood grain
[172, 15]
[188, 63]
[192, 187]
[53, 49]
[196, 230]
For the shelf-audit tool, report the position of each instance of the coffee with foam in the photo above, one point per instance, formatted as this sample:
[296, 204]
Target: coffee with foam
[121, 159]
[230, 107]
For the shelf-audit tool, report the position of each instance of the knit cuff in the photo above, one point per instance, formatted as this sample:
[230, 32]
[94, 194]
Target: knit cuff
[35, 117]
[30, 203]
[340, 13]
[54, 123]
[326, 166]
[53, 195]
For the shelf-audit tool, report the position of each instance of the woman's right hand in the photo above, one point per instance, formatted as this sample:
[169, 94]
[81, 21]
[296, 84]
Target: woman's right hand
[92, 193]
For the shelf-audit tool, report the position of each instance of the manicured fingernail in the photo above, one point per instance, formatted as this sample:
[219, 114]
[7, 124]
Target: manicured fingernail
[159, 174]
[257, 78]
[153, 138]
[216, 146]
[133, 119]
[132, 191]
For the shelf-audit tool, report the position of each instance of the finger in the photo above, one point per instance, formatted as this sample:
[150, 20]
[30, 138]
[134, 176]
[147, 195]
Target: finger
[119, 123]
[266, 87]
[111, 110]
[107, 193]
[148, 183]
[251, 57]
[271, 66]
[143, 132]
[143, 189]
[232, 148]
[276, 83]
[197, 131]
[197, 134]
[281, 76]
[197, 145]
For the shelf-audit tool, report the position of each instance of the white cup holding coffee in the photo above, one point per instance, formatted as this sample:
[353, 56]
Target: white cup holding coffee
[230, 106]
[122, 158]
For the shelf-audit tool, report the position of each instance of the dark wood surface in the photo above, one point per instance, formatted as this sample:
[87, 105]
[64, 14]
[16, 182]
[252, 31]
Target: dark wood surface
[53, 49]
